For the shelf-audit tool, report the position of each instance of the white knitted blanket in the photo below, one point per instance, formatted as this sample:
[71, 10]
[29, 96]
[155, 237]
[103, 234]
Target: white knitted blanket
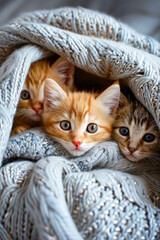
[44, 192]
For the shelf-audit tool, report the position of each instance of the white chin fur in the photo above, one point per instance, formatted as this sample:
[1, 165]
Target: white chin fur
[35, 118]
[135, 157]
[76, 153]
[30, 114]
[72, 149]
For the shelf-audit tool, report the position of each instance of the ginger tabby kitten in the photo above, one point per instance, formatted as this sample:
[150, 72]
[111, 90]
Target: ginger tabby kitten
[32, 96]
[79, 120]
[135, 131]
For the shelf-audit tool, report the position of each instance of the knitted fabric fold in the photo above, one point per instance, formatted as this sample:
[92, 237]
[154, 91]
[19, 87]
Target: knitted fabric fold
[44, 192]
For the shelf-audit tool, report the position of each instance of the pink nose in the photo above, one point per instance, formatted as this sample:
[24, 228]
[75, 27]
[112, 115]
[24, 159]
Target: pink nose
[37, 109]
[77, 143]
[132, 149]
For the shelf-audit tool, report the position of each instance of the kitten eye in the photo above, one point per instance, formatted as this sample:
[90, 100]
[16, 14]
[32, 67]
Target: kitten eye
[148, 137]
[92, 128]
[124, 131]
[25, 95]
[65, 125]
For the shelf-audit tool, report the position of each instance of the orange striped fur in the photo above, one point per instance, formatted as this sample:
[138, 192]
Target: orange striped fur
[79, 109]
[29, 110]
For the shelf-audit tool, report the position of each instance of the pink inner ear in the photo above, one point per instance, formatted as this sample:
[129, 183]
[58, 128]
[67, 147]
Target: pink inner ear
[114, 107]
[67, 76]
[53, 93]
[47, 104]
[66, 69]
[110, 98]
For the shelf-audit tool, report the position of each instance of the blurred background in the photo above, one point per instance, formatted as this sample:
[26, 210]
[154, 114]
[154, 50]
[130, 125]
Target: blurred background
[142, 15]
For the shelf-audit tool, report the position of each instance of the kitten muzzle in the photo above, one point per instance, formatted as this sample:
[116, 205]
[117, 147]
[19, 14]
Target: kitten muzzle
[77, 144]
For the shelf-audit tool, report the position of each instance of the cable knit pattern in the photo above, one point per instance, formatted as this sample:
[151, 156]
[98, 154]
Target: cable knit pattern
[44, 192]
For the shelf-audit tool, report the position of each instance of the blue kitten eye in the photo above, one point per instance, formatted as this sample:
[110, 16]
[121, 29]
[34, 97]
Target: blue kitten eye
[148, 137]
[25, 95]
[124, 131]
[92, 128]
[65, 125]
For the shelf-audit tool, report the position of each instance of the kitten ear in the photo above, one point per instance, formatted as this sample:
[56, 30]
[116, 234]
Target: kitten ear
[110, 98]
[53, 94]
[65, 70]
[123, 101]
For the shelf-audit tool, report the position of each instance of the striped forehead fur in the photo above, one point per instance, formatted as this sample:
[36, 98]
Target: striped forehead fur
[135, 112]
[76, 103]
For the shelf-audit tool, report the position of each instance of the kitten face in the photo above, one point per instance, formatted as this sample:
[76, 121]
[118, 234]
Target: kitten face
[79, 120]
[135, 131]
[31, 101]
[32, 96]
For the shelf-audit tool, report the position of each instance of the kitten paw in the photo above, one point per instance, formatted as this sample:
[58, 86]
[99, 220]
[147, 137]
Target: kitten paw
[20, 129]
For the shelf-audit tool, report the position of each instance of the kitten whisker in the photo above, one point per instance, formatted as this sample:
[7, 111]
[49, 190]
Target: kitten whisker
[114, 114]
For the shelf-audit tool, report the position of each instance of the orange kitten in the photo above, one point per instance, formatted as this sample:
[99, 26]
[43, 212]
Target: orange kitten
[31, 100]
[79, 120]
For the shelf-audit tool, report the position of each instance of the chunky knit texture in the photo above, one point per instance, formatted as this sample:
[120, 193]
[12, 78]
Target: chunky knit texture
[44, 192]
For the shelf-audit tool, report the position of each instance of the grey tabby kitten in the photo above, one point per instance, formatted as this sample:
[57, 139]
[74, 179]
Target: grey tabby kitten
[135, 131]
